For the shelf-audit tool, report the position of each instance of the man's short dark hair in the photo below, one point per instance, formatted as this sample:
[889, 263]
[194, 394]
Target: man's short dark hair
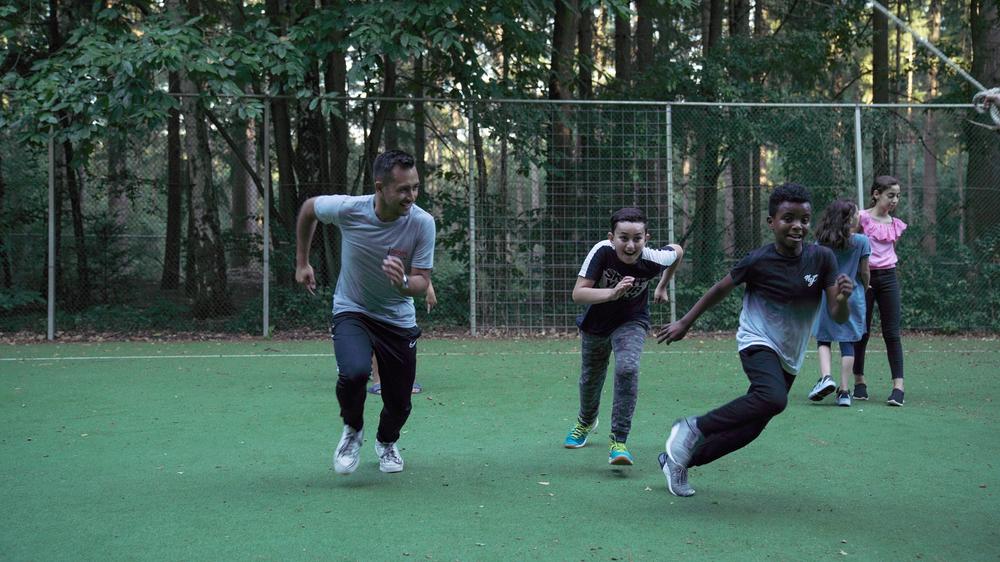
[385, 162]
[787, 192]
[627, 214]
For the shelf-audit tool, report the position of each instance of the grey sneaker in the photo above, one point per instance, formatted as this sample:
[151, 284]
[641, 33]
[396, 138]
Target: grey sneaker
[345, 460]
[388, 457]
[843, 398]
[823, 387]
[677, 477]
[861, 391]
[684, 435]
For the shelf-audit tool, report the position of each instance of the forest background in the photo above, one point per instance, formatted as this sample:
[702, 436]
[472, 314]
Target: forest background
[149, 119]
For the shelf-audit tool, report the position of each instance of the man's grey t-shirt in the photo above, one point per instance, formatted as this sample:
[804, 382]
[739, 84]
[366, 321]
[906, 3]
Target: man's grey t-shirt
[365, 241]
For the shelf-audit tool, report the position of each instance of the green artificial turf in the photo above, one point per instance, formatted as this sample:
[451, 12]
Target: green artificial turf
[220, 451]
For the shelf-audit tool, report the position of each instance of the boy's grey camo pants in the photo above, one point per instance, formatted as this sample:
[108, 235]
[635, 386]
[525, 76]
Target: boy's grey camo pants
[626, 342]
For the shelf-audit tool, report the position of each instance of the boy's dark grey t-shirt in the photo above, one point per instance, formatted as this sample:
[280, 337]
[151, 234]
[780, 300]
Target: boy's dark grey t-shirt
[606, 270]
[782, 298]
[365, 241]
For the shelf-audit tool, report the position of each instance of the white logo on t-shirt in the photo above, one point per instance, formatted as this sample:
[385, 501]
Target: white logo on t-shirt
[811, 278]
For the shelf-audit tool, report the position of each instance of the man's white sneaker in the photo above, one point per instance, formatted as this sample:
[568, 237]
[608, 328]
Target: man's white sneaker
[345, 460]
[388, 457]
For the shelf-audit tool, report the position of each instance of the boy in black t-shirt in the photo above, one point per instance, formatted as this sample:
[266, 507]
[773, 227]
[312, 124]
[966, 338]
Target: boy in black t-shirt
[613, 283]
[785, 282]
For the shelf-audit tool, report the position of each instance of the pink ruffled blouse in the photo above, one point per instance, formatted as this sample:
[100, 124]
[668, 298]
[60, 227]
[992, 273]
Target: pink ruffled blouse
[883, 238]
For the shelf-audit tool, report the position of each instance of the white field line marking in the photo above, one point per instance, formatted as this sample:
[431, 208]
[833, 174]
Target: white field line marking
[279, 355]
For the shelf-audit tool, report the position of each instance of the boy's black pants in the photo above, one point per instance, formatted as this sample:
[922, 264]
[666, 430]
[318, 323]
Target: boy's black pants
[734, 425]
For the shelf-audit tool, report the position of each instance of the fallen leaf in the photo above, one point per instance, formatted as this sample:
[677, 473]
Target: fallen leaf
[544, 483]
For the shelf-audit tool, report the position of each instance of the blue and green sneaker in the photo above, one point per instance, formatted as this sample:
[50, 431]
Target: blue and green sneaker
[618, 453]
[578, 435]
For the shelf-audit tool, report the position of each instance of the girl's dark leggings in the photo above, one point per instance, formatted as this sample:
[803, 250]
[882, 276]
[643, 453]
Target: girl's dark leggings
[885, 292]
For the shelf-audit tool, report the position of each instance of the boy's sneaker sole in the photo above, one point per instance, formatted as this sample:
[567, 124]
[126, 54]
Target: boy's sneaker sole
[621, 460]
[824, 387]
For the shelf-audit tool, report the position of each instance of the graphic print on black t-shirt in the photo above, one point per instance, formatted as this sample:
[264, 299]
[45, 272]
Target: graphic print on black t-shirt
[782, 298]
[606, 270]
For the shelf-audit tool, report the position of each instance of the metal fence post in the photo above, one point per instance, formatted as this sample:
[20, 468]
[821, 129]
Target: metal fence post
[670, 204]
[51, 321]
[267, 220]
[859, 173]
[472, 225]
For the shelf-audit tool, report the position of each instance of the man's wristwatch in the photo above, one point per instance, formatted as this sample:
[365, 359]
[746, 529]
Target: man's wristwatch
[406, 281]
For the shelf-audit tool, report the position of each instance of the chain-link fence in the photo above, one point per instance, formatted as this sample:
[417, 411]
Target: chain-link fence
[174, 229]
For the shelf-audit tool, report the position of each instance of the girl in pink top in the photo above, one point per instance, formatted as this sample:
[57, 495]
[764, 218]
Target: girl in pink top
[883, 230]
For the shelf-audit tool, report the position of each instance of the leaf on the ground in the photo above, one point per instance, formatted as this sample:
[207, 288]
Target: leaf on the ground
[543, 483]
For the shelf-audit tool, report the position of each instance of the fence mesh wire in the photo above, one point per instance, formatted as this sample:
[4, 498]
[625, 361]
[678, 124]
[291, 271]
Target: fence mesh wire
[521, 191]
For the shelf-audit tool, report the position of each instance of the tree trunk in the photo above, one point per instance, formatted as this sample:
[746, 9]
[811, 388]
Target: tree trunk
[285, 154]
[335, 79]
[190, 269]
[756, 213]
[211, 292]
[983, 182]
[8, 277]
[241, 190]
[420, 122]
[117, 177]
[170, 278]
[707, 241]
[881, 129]
[74, 188]
[312, 165]
[741, 162]
[930, 141]
[585, 54]
[561, 189]
[644, 34]
[288, 196]
[623, 48]
[209, 282]
[373, 142]
[336, 83]
[391, 126]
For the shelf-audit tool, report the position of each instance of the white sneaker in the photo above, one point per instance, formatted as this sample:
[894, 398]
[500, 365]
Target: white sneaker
[823, 387]
[388, 457]
[345, 460]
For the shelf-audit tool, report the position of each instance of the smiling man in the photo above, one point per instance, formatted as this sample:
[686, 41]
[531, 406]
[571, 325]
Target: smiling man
[387, 253]
[785, 282]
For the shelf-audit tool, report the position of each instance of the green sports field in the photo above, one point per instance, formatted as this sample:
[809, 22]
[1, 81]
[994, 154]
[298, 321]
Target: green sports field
[220, 451]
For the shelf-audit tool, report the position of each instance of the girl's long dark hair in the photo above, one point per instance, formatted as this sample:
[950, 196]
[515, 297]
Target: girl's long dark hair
[834, 229]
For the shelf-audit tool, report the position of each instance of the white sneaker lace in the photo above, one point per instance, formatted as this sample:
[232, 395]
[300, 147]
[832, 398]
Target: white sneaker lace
[349, 445]
[391, 455]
